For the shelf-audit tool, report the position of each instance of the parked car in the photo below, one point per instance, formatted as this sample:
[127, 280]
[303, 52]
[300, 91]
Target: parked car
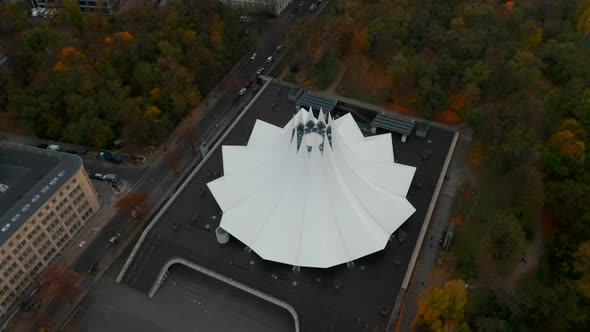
[97, 176]
[294, 11]
[249, 84]
[43, 146]
[278, 49]
[81, 244]
[260, 70]
[71, 151]
[253, 56]
[242, 91]
[301, 4]
[112, 178]
[269, 59]
[53, 147]
[112, 157]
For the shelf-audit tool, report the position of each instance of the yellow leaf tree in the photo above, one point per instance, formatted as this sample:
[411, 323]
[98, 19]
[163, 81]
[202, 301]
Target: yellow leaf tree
[567, 142]
[442, 308]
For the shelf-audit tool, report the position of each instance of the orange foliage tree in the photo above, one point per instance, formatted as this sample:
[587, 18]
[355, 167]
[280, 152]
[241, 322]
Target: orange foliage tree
[137, 202]
[173, 161]
[59, 284]
[567, 142]
[442, 308]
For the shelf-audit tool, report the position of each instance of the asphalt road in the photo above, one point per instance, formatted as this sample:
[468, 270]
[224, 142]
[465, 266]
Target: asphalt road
[159, 177]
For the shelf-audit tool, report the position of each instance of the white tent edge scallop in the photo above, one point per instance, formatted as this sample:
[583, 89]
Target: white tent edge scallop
[315, 202]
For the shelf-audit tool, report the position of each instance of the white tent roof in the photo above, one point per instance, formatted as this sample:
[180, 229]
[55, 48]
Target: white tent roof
[315, 193]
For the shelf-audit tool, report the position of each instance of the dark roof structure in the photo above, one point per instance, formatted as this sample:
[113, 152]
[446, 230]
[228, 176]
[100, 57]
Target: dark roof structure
[308, 100]
[393, 123]
[28, 177]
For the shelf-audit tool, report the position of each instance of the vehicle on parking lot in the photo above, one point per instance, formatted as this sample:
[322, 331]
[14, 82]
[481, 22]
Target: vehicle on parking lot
[242, 91]
[53, 147]
[312, 7]
[249, 84]
[42, 146]
[294, 11]
[97, 176]
[245, 19]
[269, 59]
[81, 244]
[112, 178]
[253, 57]
[71, 151]
[278, 49]
[301, 4]
[112, 157]
[260, 70]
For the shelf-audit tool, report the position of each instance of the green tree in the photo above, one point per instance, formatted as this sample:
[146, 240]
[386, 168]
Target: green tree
[75, 15]
[506, 237]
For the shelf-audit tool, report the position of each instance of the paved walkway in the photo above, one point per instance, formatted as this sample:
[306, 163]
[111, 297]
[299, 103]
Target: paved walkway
[532, 256]
[431, 248]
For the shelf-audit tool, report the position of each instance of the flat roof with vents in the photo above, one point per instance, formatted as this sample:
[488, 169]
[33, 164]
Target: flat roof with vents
[30, 176]
[394, 124]
[308, 100]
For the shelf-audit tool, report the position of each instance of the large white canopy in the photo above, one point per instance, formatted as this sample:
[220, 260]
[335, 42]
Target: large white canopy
[315, 193]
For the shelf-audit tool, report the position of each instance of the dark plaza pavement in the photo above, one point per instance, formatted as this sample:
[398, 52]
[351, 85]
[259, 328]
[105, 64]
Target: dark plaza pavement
[189, 301]
[366, 290]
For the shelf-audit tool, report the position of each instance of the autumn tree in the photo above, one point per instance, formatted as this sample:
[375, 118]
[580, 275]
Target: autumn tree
[173, 160]
[59, 284]
[133, 203]
[442, 308]
[506, 237]
[75, 15]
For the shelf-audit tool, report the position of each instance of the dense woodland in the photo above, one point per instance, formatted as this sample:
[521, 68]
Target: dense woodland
[91, 79]
[518, 73]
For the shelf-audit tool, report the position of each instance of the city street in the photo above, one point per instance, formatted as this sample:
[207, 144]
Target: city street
[218, 109]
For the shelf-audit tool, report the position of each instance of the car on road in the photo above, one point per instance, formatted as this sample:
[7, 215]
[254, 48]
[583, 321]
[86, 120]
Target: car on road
[114, 239]
[253, 57]
[242, 91]
[269, 59]
[81, 244]
[260, 70]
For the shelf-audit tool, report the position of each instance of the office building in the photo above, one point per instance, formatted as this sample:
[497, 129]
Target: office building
[45, 199]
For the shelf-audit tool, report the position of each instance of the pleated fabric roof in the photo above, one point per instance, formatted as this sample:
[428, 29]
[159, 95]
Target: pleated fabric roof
[315, 193]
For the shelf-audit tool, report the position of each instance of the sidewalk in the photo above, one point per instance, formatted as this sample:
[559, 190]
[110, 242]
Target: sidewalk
[429, 251]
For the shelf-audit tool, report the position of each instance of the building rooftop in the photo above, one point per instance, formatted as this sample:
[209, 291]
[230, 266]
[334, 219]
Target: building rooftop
[307, 100]
[340, 298]
[315, 193]
[28, 177]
